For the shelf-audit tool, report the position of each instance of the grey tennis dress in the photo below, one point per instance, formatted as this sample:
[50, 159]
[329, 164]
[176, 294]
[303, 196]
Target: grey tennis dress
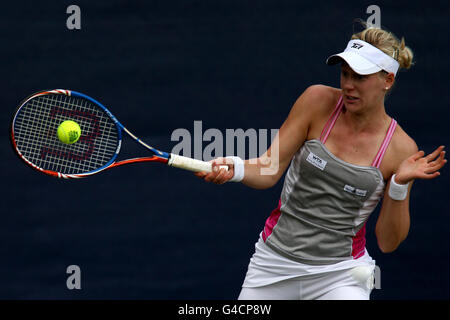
[325, 203]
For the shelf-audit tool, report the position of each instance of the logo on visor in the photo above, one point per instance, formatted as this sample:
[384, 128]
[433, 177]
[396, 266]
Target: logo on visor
[357, 46]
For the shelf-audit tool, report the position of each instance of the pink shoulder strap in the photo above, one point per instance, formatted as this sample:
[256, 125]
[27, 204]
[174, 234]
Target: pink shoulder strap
[387, 139]
[331, 121]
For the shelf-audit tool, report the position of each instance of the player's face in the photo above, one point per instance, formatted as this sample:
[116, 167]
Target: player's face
[361, 91]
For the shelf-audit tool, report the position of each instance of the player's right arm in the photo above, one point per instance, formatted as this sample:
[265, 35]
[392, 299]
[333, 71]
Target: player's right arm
[265, 171]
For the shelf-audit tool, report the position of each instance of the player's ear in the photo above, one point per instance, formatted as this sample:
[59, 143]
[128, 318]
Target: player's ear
[389, 79]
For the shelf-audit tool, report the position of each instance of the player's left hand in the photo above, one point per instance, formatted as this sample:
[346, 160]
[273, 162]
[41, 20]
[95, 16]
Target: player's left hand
[419, 166]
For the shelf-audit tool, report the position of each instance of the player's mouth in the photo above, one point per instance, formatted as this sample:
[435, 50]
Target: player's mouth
[351, 99]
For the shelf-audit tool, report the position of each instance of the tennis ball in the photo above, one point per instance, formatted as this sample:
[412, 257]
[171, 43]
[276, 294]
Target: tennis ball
[69, 132]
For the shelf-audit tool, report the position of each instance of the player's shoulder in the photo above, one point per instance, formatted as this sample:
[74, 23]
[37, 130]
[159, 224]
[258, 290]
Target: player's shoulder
[402, 145]
[321, 93]
[319, 98]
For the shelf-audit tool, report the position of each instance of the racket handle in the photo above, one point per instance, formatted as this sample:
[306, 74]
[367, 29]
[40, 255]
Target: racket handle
[190, 164]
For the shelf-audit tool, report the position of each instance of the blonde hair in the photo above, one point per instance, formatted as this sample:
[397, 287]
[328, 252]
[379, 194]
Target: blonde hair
[388, 43]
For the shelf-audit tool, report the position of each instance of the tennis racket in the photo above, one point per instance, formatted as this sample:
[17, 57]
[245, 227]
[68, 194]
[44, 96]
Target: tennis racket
[34, 137]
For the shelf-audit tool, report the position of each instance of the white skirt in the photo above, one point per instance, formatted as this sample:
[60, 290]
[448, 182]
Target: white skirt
[267, 267]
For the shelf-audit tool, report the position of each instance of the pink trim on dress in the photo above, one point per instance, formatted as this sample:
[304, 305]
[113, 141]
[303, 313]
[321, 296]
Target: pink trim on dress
[387, 139]
[271, 221]
[331, 121]
[359, 243]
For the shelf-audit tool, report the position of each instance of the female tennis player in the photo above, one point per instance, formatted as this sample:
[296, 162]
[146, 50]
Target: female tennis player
[344, 154]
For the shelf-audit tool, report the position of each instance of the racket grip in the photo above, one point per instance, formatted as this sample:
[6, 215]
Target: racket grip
[189, 163]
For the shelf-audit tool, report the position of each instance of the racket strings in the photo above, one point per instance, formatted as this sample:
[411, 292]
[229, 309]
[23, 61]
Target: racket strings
[35, 129]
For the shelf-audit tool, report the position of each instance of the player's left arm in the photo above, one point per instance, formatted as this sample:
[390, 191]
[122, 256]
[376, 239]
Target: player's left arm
[393, 223]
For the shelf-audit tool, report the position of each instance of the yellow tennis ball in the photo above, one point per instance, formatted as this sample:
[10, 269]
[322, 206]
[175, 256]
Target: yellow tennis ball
[69, 132]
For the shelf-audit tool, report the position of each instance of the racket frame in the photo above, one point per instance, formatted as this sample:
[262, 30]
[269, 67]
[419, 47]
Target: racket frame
[158, 156]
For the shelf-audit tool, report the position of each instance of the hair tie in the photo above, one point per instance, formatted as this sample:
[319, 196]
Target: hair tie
[395, 54]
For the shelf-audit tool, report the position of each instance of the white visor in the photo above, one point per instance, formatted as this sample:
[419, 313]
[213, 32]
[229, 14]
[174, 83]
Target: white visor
[364, 58]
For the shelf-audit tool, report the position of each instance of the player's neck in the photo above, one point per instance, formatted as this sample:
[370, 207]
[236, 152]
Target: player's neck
[370, 120]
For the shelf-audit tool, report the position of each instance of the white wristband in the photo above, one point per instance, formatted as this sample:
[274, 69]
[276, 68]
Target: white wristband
[238, 169]
[398, 191]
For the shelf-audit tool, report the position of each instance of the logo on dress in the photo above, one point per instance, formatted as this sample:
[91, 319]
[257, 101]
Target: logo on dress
[353, 190]
[316, 161]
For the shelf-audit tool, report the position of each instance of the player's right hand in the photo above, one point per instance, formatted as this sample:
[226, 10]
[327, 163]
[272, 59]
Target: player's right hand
[219, 174]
